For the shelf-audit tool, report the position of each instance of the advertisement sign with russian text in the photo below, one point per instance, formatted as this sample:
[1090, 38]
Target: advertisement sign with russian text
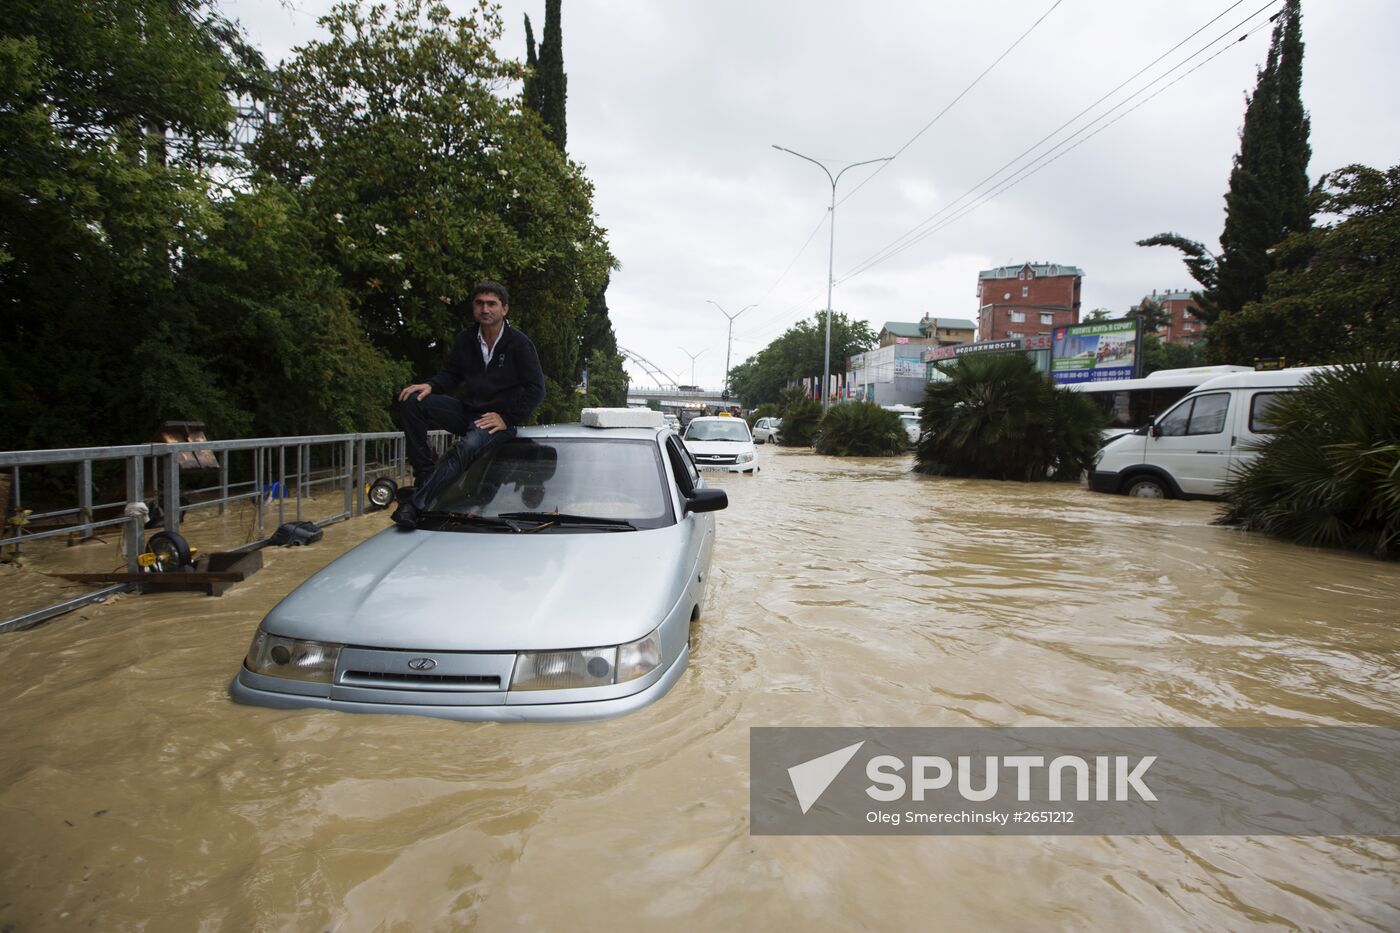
[1095, 352]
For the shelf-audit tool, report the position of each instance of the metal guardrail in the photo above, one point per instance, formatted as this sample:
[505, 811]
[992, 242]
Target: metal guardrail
[351, 461]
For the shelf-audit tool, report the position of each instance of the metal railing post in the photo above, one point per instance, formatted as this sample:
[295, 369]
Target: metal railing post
[17, 501]
[347, 454]
[359, 477]
[258, 482]
[224, 456]
[135, 492]
[85, 499]
[301, 475]
[281, 484]
[171, 493]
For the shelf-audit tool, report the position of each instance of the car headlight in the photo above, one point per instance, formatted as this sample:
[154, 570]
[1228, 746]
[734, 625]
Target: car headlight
[588, 667]
[744, 457]
[563, 670]
[292, 658]
[638, 658]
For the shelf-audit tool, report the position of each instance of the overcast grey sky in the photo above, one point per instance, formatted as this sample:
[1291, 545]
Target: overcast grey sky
[673, 108]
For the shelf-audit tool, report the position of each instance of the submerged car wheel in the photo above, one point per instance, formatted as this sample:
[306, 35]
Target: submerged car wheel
[171, 551]
[1147, 487]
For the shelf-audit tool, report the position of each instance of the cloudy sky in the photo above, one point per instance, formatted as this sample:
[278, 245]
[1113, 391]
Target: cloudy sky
[674, 108]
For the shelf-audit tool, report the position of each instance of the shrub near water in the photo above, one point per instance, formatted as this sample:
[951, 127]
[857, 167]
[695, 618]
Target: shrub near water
[801, 418]
[861, 429]
[997, 417]
[1330, 474]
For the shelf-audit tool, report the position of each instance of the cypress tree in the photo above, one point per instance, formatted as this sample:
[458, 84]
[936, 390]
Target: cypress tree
[1269, 193]
[553, 83]
[532, 61]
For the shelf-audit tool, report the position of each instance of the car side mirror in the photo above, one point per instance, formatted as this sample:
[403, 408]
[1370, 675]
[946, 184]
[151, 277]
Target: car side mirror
[707, 500]
[1154, 429]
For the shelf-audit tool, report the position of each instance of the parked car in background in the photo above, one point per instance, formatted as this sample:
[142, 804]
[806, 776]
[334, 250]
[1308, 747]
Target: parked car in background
[556, 580]
[766, 429]
[722, 442]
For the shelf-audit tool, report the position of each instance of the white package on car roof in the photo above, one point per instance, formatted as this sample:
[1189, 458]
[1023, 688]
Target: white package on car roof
[620, 418]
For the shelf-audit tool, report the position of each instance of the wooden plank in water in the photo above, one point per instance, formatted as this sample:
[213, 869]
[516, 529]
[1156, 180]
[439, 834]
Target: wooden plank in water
[212, 575]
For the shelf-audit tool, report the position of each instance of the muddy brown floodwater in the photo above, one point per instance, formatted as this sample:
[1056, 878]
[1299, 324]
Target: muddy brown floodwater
[135, 796]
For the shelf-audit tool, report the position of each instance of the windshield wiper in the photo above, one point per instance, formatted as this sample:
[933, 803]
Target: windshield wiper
[471, 518]
[545, 519]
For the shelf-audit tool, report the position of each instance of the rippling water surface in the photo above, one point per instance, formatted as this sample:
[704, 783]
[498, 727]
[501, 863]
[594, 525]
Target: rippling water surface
[135, 796]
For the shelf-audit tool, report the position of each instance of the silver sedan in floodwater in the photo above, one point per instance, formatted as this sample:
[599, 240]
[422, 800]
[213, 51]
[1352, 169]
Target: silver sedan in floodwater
[557, 580]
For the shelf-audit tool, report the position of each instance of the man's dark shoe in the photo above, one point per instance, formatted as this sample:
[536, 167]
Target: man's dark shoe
[405, 516]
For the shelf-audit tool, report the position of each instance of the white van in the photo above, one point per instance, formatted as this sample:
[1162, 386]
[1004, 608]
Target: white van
[1187, 452]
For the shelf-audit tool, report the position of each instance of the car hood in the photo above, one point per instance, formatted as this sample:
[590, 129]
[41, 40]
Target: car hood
[470, 591]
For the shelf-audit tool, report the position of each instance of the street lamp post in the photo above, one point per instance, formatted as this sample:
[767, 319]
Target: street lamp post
[830, 258]
[693, 357]
[729, 343]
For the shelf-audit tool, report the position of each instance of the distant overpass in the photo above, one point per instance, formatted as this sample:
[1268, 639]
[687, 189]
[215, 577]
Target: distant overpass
[665, 390]
[673, 397]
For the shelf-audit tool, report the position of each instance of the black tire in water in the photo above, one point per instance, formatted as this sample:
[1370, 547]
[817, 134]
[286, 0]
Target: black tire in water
[172, 551]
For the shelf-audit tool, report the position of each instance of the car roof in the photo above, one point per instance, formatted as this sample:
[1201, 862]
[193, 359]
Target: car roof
[1264, 379]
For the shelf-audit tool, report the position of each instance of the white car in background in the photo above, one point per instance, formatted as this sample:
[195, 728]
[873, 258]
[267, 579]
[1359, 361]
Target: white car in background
[723, 443]
[766, 429]
[911, 426]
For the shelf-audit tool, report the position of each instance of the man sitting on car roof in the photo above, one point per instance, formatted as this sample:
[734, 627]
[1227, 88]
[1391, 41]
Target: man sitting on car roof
[500, 370]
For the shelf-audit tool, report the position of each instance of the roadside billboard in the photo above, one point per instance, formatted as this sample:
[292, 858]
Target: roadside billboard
[1096, 351]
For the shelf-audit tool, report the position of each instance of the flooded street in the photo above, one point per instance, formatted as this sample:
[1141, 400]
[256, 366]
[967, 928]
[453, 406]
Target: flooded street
[135, 796]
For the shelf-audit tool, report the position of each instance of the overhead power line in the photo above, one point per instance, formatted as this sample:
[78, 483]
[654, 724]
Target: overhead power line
[953, 102]
[931, 224]
[783, 318]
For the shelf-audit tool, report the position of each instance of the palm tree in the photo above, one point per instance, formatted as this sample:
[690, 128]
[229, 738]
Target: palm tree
[1330, 473]
[997, 417]
[861, 429]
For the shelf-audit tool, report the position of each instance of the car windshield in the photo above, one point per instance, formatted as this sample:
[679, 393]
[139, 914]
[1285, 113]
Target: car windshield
[729, 429]
[574, 478]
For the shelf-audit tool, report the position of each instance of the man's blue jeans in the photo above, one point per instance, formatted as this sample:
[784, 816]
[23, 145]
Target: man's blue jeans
[416, 417]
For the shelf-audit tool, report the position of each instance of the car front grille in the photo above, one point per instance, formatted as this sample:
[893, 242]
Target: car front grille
[716, 459]
[393, 680]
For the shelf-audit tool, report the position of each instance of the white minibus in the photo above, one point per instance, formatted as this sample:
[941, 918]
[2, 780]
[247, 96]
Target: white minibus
[1189, 450]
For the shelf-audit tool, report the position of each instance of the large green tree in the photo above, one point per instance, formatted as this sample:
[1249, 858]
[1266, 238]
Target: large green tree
[270, 323]
[1336, 295]
[1268, 193]
[110, 113]
[798, 354]
[546, 93]
[422, 177]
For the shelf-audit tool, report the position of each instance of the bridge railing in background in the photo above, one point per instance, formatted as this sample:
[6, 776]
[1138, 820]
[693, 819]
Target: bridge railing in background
[278, 473]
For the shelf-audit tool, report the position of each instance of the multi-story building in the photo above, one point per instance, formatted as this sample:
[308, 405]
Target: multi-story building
[1182, 324]
[1029, 300]
[927, 332]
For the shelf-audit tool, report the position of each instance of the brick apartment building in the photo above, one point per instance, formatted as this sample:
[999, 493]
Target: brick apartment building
[1182, 325]
[1028, 300]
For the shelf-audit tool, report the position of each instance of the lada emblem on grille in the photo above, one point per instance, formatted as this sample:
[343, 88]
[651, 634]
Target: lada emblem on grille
[422, 664]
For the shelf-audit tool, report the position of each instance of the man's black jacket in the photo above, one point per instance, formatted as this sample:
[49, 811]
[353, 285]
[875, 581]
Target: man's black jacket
[512, 385]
